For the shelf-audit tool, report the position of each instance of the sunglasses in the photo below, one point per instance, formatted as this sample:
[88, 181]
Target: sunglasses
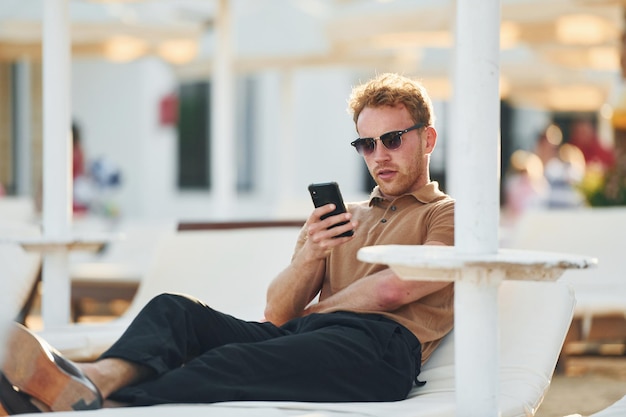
[391, 140]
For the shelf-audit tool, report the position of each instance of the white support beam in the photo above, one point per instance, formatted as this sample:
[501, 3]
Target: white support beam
[23, 131]
[474, 182]
[57, 178]
[223, 168]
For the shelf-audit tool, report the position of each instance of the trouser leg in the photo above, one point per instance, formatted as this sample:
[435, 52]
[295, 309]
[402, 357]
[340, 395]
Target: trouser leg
[171, 329]
[329, 357]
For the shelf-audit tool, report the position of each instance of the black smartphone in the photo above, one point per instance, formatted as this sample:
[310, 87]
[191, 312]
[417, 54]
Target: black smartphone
[326, 193]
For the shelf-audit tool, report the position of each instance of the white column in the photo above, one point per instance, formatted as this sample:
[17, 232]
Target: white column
[476, 134]
[223, 169]
[474, 178]
[477, 342]
[286, 151]
[23, 137]
[57, 191]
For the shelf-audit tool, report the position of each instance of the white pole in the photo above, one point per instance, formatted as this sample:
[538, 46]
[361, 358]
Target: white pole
[475, 174]
[476, 137]
[57, 191]
[477, 342]
[287, 145]
[23, 177]
[223, 169]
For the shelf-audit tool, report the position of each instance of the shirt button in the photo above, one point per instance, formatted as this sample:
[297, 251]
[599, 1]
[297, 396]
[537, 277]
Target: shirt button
[393, 208]
[383, 221]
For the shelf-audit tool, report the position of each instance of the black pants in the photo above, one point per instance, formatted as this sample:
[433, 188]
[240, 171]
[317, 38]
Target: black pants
[200, 355]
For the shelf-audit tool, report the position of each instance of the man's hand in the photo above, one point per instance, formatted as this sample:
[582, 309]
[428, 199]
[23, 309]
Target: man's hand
[294, 288]
[321, 236]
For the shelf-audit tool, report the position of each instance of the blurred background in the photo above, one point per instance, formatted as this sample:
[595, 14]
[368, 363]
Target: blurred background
[142, 74]
[226, 110]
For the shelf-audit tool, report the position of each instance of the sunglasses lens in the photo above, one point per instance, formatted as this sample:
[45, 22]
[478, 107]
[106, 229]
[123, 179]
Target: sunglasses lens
[391, 140]
[364, 146]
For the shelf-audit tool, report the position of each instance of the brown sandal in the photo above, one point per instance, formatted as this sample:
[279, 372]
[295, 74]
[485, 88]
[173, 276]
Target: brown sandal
[39, 371]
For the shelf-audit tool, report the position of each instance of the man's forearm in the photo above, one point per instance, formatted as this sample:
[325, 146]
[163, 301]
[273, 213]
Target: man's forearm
[382, 291]
[292, 290]
[366, 293]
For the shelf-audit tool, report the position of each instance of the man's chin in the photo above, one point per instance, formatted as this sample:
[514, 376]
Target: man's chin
[389, 192]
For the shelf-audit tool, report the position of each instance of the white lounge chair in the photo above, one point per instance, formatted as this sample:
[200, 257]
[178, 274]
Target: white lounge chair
[17, 210]
[18, 273]
[597, 232]
[117, 269]
[230, 269]
[18, 269]
[534, 318]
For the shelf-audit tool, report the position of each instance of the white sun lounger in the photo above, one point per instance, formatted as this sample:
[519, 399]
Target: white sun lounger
[18, 272]
[230, 270]
[18, 269]
[534, 317]
[597, 232]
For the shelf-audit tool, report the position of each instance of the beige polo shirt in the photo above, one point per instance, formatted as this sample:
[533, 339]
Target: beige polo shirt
[411, 219]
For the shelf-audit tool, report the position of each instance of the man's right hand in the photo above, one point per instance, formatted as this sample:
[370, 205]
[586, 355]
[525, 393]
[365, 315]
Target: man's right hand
[294, 288]
[321, 236]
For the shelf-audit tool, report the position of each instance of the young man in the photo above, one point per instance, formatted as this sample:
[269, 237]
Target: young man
[364, 340]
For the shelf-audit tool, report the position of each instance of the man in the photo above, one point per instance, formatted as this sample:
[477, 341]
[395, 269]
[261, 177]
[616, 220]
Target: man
[364, 340]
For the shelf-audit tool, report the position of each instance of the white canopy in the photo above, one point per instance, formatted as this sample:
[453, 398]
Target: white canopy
[561, 54]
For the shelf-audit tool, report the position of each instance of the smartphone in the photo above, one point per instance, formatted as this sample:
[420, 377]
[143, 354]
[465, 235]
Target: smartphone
[326, 193]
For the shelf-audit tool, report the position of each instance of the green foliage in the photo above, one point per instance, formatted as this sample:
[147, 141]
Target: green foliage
[608, 188]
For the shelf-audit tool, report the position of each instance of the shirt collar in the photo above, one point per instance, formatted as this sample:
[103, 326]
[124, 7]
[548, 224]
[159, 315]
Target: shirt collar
[427, 194]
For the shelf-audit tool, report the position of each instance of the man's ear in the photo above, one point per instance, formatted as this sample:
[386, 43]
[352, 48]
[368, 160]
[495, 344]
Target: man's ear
[431, 139]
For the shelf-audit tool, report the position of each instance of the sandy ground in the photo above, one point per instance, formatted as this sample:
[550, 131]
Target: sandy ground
[588, 385]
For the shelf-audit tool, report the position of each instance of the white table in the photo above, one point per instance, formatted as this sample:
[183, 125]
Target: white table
[477, 278]
[92, 242]
[56, 282]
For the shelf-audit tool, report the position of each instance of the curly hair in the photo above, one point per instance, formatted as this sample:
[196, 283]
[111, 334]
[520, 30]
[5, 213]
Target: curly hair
[389, 90]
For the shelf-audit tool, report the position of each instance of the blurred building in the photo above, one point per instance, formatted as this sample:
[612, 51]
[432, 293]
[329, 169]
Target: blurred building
[142, 77]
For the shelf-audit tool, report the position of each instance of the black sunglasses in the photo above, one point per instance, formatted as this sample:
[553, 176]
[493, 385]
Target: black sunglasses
[391, 140]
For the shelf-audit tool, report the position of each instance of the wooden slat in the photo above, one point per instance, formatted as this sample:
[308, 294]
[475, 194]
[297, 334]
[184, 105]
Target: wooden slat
[185, 226]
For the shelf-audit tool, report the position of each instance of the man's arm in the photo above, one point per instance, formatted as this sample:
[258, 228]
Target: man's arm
[294, 288]
[382, 291]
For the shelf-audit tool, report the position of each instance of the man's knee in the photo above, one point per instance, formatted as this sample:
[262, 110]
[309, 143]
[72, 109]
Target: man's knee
[167, 301]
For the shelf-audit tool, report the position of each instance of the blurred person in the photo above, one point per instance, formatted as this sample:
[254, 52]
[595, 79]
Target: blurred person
[81, 193]
[106, 179]
[365, 339]
[548, 142]
[94, 183]
[78, 156]
[564, 174]
[525, 185]
[563, 168]
[583, 135]
[80, 186]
